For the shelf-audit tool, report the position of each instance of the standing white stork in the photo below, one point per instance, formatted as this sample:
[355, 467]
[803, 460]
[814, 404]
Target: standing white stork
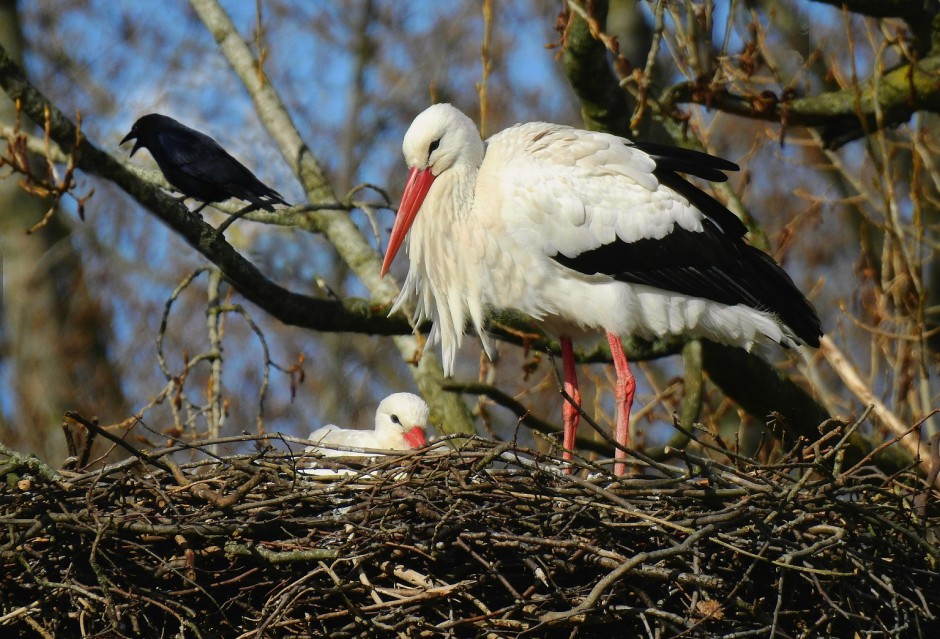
[581, 231]
[399, 425]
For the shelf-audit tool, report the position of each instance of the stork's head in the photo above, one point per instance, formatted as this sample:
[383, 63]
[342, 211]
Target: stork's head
[402, 415]
[440, 139]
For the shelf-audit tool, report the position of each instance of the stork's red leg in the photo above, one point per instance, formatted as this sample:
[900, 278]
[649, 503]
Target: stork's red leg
[569, 411]
[623, 396]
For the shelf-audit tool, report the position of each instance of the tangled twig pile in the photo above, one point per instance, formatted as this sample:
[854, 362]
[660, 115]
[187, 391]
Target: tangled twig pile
[485, 539]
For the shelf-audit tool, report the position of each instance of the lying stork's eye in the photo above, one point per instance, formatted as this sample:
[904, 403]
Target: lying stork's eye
[395, 420]
[431, 149]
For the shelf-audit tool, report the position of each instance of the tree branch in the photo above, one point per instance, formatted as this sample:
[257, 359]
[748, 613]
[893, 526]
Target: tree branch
[841, 116]
[584, 58]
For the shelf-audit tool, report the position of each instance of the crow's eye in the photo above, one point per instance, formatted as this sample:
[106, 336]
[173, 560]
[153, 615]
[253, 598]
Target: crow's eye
[395, 420]
[431, 149]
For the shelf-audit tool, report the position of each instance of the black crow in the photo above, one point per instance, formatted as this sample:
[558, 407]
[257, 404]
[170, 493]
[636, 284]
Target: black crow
[197, 166]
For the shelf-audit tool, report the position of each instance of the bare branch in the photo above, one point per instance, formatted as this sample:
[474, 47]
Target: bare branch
[841, 116]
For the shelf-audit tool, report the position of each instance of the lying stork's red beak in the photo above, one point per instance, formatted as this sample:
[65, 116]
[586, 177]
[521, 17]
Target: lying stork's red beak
[419, 181]
[415, 437]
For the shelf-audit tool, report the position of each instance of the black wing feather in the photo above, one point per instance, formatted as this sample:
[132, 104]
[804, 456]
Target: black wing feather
[675, 158]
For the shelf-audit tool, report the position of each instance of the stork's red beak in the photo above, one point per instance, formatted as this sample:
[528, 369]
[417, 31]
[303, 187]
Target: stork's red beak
[419, 181]
[415, 437]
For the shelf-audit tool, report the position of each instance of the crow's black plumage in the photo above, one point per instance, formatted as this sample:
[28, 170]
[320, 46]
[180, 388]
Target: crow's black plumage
[196, 165]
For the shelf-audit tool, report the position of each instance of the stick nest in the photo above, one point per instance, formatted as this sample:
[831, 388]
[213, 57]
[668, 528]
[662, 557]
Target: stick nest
[487, 540]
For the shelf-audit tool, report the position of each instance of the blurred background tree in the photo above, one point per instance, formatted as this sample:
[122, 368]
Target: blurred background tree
[56, 332]
[841, 190]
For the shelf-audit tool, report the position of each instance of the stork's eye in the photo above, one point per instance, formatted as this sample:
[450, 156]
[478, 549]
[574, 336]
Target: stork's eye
[431, 149]
[395, 420]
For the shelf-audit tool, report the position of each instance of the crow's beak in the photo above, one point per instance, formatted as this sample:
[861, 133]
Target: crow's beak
[132, 136]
